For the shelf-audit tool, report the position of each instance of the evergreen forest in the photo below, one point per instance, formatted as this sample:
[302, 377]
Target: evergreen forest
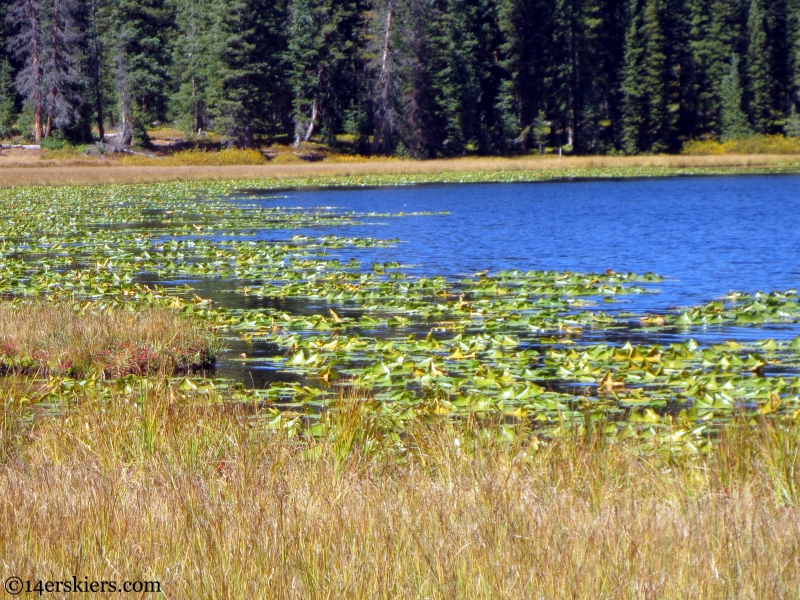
[418, 78]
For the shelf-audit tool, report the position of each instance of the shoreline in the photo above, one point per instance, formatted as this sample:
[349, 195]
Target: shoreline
[397, 172]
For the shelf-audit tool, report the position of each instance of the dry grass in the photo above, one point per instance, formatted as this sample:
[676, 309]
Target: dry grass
[60, 339]
[225, 157]
[213, 505]
[22, 170]
[757, 144]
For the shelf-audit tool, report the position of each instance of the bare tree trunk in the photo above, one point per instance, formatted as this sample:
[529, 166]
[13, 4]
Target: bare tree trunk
[383, 98]
[314, 115]
[126, 136]
[96, 74]
[53, 90]
[125, 99]
[37, 113]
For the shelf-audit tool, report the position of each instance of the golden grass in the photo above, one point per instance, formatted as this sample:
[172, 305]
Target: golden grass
[225, 157]
[61, 339]
[103, 171]
[757, 144]
[212, 504]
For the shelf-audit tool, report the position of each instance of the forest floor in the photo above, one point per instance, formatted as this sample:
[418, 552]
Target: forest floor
[20, 168]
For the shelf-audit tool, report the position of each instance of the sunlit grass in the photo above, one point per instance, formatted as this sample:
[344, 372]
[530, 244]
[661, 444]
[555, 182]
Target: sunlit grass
[225, 157]
[58, 338]
[30, 171]
[213, 501]
[757, 144]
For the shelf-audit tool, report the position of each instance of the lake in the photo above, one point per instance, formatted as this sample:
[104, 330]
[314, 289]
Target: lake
[705, 235]
[547, 300]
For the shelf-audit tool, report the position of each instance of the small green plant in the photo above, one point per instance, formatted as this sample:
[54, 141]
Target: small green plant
[55, 141]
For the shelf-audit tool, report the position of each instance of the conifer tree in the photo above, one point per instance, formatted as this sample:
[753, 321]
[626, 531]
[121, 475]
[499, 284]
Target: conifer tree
[8, 96]
[97, 18]
[385, 112]
[61, 64]
[645, 85]
[324, 62]
[143, 31]
[758, 85]
[27, 45]
[191, 62]
[524, 25]
[421, 63]
[714, 28]
[247, 79]
[792, 126]
[732, 118]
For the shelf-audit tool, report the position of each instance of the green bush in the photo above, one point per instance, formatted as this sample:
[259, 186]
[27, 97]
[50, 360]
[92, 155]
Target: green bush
[55, 141]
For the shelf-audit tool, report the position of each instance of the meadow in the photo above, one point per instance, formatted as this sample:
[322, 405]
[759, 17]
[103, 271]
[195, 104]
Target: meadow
[20, 168]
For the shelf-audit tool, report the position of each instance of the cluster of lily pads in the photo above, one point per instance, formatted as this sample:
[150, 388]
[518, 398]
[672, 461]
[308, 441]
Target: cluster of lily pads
[510, 347]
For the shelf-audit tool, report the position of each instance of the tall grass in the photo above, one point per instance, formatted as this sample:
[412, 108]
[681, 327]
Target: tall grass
[58, 338]
[212, 501]
[31, 172]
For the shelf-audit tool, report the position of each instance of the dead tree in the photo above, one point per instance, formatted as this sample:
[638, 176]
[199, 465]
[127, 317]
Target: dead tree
[382, 113]
[25, 16]
[60, 67]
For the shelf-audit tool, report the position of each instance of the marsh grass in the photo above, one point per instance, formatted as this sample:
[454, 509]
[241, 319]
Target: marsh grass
[23, 170]
[212, 501]
[58, 338]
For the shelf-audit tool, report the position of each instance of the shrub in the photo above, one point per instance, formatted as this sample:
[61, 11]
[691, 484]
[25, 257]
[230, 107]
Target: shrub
[756, 144]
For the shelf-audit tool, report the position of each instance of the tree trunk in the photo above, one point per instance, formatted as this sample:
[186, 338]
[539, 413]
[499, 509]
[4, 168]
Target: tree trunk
[53, 89]
[314, 115]
[33, 19]
[383, 98]
[37, 116]
[96, 75]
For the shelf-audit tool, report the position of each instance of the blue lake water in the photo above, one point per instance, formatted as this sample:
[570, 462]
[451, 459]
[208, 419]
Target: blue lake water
[706, 235]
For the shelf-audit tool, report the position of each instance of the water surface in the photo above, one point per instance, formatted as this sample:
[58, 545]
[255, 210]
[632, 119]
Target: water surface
[706, 235]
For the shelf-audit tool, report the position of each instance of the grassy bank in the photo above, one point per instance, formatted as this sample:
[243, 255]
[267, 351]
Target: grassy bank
[21, 171]
[214, 501]
[79, 341]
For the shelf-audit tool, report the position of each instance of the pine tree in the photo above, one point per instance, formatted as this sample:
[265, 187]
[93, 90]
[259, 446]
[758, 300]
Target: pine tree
[61, 64]
[324, 62]
[191, 62]
[647, 119]
[27, 45]
[96, 23]
[421, 61]
[757, 67]
[142, 29]
[524, 25]
[540, 131]
[714, 28]
[732, 118]
[247, 82]
[8, 97]
[792, 126]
